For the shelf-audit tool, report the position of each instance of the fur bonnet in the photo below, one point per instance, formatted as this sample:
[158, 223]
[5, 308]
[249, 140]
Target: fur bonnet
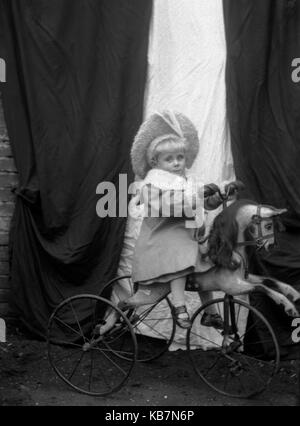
[158, 125]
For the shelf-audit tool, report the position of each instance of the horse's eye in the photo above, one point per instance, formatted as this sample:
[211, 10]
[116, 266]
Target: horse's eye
[268, 226]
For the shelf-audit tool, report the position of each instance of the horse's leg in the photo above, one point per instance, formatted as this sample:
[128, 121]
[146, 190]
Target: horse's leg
[286, 289]
[145, 295]
[231, 282]
[241, 286]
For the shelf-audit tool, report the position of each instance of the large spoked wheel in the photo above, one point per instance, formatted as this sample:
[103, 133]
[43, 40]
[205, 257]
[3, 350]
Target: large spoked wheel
[86, 345]
[233, 361]
[154, 325]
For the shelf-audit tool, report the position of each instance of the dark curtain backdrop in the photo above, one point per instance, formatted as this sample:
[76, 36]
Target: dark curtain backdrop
[263, 102]
[73, 101]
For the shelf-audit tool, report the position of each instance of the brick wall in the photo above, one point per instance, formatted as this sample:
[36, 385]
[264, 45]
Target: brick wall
[8, 180]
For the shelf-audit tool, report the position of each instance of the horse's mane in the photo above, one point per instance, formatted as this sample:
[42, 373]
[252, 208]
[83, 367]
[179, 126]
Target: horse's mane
[223, 236]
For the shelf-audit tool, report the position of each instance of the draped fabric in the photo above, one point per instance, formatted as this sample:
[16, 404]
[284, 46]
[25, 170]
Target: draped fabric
[263, 101]
[186, 72]
[73, 102]
[74, 99]
[263, 106]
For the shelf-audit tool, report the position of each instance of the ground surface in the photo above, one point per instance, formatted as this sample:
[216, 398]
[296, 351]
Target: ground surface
[26, 379]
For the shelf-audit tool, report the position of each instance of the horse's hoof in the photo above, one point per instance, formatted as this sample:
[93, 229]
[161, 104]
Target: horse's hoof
[292, 312]
[294, 297]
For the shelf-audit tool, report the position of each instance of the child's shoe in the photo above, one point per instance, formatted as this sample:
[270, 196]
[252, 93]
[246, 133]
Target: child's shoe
[212, 320]
[182, 321]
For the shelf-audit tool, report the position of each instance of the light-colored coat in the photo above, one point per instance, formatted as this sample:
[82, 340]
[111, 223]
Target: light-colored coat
[167, 247]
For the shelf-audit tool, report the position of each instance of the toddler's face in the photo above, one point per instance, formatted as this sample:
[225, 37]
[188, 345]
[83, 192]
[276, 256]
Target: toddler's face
[173, 162]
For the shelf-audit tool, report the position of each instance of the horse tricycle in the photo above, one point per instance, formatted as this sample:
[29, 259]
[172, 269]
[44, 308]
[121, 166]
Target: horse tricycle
[94, 341]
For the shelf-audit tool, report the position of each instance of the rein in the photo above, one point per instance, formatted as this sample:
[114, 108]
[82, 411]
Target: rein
[257, 220]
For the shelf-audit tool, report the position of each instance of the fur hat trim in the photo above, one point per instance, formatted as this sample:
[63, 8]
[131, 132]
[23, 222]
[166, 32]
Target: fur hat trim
[166, 123]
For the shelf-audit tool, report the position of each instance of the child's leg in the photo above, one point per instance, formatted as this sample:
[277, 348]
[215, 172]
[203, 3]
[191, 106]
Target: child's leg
[177, 290]
[211, 317]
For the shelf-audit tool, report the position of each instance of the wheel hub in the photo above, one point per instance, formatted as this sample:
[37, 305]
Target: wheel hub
[86, 347]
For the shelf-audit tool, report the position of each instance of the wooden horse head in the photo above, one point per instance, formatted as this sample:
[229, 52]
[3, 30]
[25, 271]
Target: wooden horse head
[260, 231]
[243, 223]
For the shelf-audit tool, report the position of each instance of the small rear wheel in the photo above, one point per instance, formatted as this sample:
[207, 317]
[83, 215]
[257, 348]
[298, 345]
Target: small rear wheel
[233, 361]
[86, 345]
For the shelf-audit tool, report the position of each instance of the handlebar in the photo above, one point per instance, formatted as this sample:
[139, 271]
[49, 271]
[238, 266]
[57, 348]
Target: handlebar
[233, 187]
[210, 189]
[230, 189]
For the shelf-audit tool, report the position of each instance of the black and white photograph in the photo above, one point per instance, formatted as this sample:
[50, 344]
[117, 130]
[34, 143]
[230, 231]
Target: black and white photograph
[149, 205]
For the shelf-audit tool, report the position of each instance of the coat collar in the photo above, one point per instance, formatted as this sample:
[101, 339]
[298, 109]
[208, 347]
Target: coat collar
[165, 180]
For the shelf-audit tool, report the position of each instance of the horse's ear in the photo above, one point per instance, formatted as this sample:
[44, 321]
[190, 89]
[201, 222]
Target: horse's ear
[270, 211]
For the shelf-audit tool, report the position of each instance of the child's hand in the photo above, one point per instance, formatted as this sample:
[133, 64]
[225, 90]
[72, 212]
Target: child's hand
[223, 188]
[230, 189]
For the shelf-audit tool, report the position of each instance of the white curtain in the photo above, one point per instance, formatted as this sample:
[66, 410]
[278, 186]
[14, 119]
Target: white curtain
[186, 73]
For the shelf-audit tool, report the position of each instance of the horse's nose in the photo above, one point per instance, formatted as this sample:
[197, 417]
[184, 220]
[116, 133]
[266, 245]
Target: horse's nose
[269, 243]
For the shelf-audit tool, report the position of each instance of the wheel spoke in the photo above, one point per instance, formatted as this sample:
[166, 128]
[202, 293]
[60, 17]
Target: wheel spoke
[122, 344]
[145, 313]
[67, 326]
[67, 355]
[242, 384]
[118, 333]
[206, 339]
[78, 323]
[255, 373]
[91, 369]
[66, 343]
[92, 303]
[112, 362]
[76, 366]
[258, 360]
[103, 374]
[226, 379]
[249, 328]
[115, 351]
[158, 333]
[215, 362]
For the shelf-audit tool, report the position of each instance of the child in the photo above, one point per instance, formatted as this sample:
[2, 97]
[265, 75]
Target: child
[167, 248]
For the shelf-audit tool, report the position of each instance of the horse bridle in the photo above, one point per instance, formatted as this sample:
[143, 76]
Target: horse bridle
[261, 238]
